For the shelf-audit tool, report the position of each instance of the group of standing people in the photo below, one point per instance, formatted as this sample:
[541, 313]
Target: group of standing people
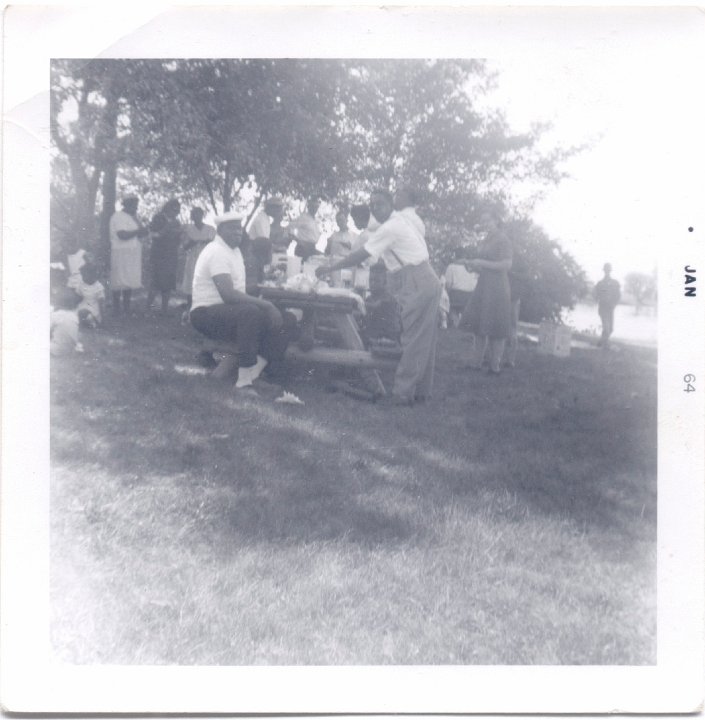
[127, 234]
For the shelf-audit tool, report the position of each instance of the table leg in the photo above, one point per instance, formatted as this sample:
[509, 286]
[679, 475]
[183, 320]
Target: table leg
[350, 336]
[308, 329]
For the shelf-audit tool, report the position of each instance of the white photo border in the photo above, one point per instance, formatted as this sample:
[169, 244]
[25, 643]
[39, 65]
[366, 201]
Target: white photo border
[31, 680]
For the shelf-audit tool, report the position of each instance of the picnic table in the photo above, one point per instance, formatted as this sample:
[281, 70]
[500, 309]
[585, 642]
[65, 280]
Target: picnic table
[330, 319]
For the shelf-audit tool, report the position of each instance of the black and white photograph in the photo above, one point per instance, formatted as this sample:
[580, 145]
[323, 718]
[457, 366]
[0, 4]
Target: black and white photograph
[355, 352]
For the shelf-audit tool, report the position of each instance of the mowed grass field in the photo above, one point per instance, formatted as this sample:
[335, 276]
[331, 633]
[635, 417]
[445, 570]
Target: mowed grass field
[512, 520]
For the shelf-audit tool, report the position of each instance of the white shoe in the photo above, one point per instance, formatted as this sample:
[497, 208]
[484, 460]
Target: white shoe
[247, 375]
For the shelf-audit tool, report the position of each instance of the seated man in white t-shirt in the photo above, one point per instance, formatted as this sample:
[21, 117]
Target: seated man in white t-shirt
[223, 310]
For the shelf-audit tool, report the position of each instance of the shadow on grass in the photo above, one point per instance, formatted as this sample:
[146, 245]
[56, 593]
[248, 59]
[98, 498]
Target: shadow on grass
[572, 438]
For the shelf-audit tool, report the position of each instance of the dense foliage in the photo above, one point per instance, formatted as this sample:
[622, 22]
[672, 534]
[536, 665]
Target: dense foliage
[226, 133]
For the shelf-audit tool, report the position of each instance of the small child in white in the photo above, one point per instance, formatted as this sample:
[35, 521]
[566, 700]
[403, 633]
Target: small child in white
[92, 294]
[63, 324]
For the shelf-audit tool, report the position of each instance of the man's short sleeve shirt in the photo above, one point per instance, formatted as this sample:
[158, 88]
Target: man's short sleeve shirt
[216, 259]
[397, 242]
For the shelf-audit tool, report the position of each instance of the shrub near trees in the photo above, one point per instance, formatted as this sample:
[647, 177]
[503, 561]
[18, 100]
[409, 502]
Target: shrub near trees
[641, 287]
[220, 132]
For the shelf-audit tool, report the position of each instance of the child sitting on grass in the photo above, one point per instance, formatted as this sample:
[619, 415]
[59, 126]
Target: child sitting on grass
[63, 324]
[92, 294]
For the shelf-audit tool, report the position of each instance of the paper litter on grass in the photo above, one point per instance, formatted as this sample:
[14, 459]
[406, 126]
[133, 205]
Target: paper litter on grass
[289, 398]
[190, 370]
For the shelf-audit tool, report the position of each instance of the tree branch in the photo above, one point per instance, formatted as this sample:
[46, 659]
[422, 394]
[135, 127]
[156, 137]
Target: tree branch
[209, 190]
[59, 141]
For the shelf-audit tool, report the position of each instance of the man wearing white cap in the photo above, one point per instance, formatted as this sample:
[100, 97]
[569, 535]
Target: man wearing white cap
[223, 310]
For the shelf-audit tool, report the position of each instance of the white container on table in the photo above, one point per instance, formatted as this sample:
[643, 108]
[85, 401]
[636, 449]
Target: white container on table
[293, 266]
[311, 265]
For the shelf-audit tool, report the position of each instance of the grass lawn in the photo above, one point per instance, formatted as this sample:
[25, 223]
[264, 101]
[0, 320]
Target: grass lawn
[511, 520]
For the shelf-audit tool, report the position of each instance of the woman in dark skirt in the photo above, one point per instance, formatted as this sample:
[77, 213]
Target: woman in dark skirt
[167, 234]
[488, 314]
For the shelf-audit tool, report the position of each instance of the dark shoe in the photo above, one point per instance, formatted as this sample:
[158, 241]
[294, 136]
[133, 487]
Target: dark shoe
[395, 401]
[205, 359]
[265, 387]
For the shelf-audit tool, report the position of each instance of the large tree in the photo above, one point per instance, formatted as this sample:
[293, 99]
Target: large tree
[228, 132]
[224, 126]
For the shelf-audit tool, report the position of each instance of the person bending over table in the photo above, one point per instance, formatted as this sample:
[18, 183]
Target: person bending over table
[223, 310]
[414, 284]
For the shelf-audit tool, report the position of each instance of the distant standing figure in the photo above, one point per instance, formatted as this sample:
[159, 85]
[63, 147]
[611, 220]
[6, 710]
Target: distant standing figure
[361, 274]
[305, 231]
[258, 248]
[197, 235]
[164, 256]
[489, 311]
[340, 244]
[607, 294]
[278, 235]
[126, 235]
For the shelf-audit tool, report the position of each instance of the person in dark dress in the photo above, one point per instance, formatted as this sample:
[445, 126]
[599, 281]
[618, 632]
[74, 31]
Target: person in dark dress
[167, 234]
[489, 310]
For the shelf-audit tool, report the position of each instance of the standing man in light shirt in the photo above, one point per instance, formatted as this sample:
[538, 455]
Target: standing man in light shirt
[261, 241]
[305, 231]
[414, 284]
[405, 201]
[223, 310]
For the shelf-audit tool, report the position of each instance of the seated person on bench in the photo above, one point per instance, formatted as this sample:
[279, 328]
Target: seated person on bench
[222, 309]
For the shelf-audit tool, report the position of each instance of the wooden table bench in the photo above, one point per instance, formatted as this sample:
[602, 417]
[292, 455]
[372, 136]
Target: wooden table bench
[319, 311]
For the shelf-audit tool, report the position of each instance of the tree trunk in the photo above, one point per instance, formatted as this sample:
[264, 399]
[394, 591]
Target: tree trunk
[107, 156]
[109, 198]
[227, 189]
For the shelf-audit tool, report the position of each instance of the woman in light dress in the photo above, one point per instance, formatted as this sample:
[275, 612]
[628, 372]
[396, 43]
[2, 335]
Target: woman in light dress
[126, 235]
